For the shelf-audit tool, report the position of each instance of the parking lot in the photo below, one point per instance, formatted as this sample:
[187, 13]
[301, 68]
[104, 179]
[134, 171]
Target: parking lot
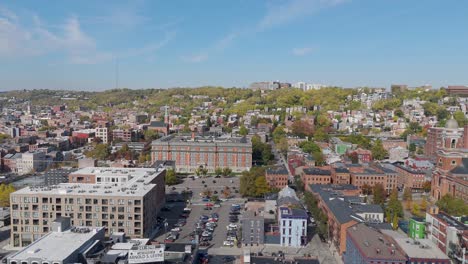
[175, 207]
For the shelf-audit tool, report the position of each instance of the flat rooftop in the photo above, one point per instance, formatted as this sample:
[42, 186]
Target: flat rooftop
[187, 139]
[138, 185]
[421, 248]
[57, 245]
[374, 244]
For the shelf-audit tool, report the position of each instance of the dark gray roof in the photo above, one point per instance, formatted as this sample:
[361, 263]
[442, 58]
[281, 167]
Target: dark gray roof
[317, 171]
[345, 208]
[157, 124]
[462, 168]
[368, 208]
[341, 170]
[273, 260]
[380, 226]
[281, 170]
[287, 200]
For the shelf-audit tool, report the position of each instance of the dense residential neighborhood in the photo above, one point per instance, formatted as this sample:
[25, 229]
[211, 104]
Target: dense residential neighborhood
[233, 132]
[388, 165]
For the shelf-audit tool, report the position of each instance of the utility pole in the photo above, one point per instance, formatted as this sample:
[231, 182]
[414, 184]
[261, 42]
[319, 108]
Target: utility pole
[116, 72]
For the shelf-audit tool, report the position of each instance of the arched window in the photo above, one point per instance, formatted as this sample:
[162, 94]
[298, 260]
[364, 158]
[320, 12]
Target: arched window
[453, 144]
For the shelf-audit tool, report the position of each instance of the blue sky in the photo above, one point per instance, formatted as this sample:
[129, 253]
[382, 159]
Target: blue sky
[160, 44]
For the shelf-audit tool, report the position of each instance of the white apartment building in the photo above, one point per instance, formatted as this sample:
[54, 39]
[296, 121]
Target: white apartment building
[103, 134]
[31, 162]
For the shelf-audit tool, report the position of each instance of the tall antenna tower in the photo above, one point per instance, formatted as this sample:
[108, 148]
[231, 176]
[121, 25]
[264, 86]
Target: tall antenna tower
[116, 72]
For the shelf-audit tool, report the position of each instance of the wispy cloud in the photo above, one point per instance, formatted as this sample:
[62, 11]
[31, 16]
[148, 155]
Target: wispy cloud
[18, 40]
[195, 58]
[302, 51]
[226, 41]
[278, 14]
[120, 18]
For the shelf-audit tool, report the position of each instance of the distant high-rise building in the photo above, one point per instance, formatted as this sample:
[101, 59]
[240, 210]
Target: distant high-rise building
[457, 90]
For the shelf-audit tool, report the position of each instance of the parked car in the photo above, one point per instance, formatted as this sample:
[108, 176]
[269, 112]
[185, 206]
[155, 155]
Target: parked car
[228, 243]
[169, 239]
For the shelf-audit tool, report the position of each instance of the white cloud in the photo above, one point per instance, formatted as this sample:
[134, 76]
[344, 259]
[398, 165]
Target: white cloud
[301, 51]
[120, 18]
[195, 58]
[293, 9]
[37, 39]
[226, 41]
[18, 40]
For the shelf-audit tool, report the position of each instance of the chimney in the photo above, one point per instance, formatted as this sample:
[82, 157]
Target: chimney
[193, 135]
[465, 136]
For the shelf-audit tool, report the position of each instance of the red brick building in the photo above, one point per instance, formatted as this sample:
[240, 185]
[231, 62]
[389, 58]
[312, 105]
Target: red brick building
[409, 178]
[316, 175]
[277, 177]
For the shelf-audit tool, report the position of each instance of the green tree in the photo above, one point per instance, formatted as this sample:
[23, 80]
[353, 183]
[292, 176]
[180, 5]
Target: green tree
[214, 198]
[278, 134]
[415, 210]
[261, 186]
[100, 152]
[460, 117]
[442, 113]
[243, 131]
[283, 146]
[378, 192]
[321, 135]
[171, 177]
[378, 151]
[299, 184]
[407, 194]
[452, 206]
[150, 135]
[226, 172]
[394, 206]
[319, 159]
[430, 109]
[218, 171]
[141, 158]
[309, 147]
[395, 222]
[247, 184]
[399, 113]
[204, 172]
[412, 147]
[5, 191]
